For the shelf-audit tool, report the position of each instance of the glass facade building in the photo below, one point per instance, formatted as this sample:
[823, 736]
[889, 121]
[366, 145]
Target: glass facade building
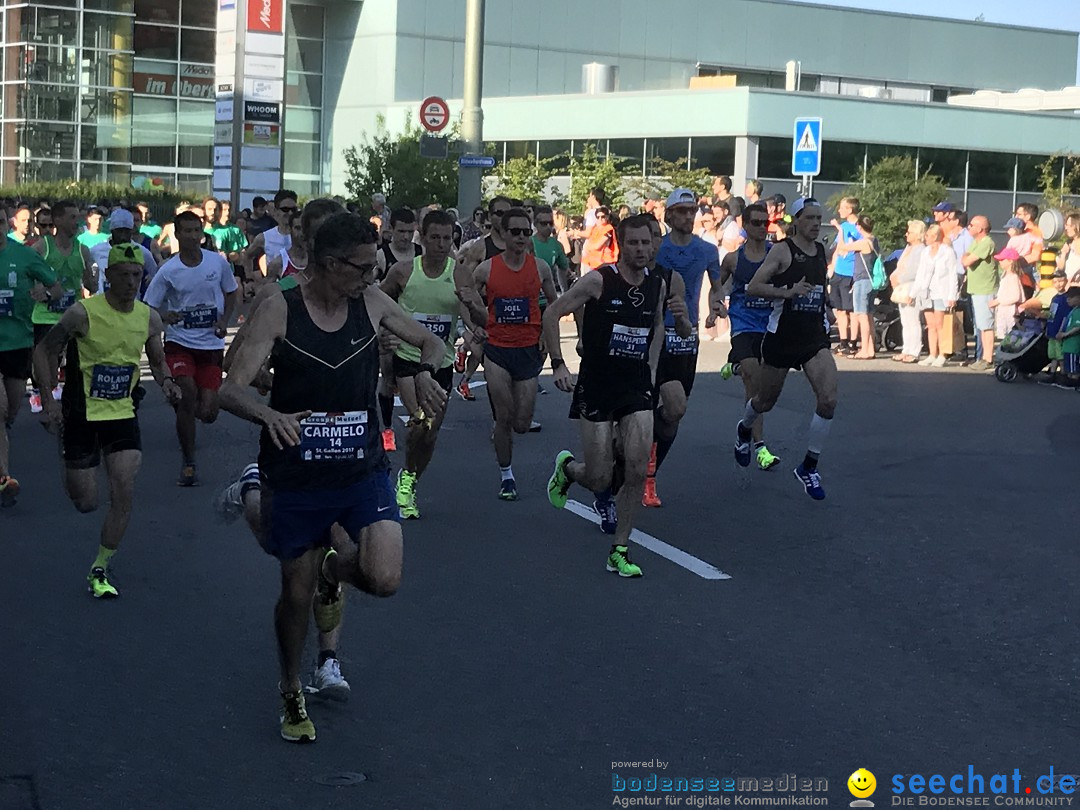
[123, 91]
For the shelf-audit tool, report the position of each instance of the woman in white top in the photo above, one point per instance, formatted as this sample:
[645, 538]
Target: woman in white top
[1068, 258]
[902, 280]
[935, 288]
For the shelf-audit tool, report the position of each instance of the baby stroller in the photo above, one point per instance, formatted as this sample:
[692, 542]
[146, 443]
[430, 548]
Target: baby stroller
[885, 315]
[1023, 351]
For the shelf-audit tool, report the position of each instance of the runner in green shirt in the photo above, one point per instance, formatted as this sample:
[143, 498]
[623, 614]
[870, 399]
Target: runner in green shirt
[94, 235]
[20, 267]
[149, 227]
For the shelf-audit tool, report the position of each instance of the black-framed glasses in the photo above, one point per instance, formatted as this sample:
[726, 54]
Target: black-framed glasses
[519, 231]
[758, 223]
[364, 269]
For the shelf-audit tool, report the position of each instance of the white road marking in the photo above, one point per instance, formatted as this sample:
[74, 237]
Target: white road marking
[472, 385]
[656, 546]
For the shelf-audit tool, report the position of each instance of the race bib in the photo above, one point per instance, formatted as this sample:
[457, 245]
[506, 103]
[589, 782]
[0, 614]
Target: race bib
[7, 303]
[755, 302]
[813, 301]
[199, 317]
[675, 344]
[438, 325]
[630, 342]
[511, 310]
[63, 303]
[333, 436]
[110, 382]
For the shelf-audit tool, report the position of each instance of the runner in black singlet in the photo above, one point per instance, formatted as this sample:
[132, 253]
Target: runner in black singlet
[794, 275]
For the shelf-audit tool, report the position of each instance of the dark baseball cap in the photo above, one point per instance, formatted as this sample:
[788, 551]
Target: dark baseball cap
[944, 207]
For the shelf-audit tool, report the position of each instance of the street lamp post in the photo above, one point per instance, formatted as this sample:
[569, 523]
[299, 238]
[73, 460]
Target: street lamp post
[472, 116]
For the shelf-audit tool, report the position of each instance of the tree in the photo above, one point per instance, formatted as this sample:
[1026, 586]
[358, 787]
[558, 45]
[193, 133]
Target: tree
[1060, 189]
[590, 170]
[525, 178]
[391, 165]
[891, 193]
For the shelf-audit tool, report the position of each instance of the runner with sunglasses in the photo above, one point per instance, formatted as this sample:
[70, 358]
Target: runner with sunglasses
[749, 315]
[511, 283]
[269, 244]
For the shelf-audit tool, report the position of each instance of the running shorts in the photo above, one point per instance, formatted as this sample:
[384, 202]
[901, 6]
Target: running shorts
[202, 365]
[297, 521]
[604, 400]
[745, 346]
[84, 443]
[16, 364]
[521, 363]
[778, 353]
[678, 368]
[407, 368]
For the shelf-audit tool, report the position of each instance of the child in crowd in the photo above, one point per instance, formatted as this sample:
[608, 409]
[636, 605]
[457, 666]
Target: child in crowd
[1059, 315]
[1070, 341]
[1010, 294]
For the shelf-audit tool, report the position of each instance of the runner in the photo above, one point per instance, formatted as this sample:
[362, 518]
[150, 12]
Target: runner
[195, 292]
[122, 232]
[20, 268]
[472, 255]
[794, 274]
[546, 246]
[320, 469]
[749, 315]
[430, 289]
[621, 337]
[511, 284]
[105, 336]
[93, 235]
[292, 259]
[691, 257]
[675, 290]
[269, 243]
[243, 496]
[73, 267]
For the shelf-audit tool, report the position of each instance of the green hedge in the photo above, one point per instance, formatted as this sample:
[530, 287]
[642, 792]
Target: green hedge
[162, 200]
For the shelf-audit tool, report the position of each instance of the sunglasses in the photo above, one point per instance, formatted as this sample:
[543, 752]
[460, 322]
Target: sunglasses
[364, 269]
[519, 231]
[758, 223]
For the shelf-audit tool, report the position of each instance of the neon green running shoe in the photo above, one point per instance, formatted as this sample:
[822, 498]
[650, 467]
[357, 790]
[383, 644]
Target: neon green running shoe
[99, 584]
[559, 483]
[406, 494]
[727, 372]
[329, 602]
[618, 562]
[296, 726]
[765, 459]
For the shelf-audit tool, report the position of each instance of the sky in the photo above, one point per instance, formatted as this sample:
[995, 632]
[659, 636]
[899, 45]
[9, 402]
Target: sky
[1060, 14]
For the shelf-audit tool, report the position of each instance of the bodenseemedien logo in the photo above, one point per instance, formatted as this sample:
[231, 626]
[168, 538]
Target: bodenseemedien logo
[862, 784]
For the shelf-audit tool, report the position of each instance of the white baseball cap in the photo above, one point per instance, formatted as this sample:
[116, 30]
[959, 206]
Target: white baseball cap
[681, 196]
[800, 204]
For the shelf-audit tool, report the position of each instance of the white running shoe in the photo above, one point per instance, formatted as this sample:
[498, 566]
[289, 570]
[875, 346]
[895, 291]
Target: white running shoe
[35, 401]
[927, 361]
[329, 683]
[230, 502]
[58, 391]
[938, 362]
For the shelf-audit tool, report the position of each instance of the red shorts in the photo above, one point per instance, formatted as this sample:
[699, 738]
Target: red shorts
[202, 365]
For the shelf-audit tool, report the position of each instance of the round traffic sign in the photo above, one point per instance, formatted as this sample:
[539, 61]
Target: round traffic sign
[434, 114]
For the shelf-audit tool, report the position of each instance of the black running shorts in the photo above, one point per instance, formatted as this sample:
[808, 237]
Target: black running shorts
[16, 363]
[778, 353]
[407, 368]
[745, 346]
[521, 363]
[85, 442]
[604, 400]
[676, 367]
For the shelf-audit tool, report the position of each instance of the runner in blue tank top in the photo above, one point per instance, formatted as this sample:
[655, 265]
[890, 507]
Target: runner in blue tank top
[749, 314]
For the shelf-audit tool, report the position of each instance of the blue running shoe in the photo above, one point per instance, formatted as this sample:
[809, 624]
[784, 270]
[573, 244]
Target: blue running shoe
[508, 490]
[743, 445]
[811, 480]
[609, 519]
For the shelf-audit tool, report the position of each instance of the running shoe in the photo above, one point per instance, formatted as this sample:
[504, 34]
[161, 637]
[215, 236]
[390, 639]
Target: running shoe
[9, 491]
[459, 362]
[188, 476]
[406, 494]
[58, 392]
[559, 483]
[328, 681]
[938, 362]
[649, 497]
[508, 489]
[99, 586]
[811, 481]
[729, 370]
[329, 602]
[230, 501]
[535, 427]
[742, 445]
[389, 442]
[35, 401]
[540, 389]
[765, 459]
[609, 518]
[296, 726]
[618, 562]
[464, 392]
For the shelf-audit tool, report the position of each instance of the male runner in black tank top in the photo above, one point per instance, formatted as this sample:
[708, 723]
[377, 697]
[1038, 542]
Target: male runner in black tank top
[794, 274]
[321, 460]
[621, 336]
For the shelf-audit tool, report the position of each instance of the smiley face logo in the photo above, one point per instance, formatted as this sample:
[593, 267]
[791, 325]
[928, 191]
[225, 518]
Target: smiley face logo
[862, 783]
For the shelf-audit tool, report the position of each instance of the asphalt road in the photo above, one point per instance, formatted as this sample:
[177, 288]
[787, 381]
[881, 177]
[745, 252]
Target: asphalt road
[923, 618]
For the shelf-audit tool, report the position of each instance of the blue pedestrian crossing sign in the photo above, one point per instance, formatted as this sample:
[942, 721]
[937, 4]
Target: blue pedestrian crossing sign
[806, 148]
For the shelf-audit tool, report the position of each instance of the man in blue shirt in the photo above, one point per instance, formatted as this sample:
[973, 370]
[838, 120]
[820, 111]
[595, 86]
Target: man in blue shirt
[843, 271]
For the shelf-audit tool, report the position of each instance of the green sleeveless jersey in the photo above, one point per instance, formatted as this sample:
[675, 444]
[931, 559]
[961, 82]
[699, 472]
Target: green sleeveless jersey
[433, 303]
[69, 271]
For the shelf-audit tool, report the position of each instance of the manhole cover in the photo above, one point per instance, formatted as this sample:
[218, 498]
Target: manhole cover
[343, 779]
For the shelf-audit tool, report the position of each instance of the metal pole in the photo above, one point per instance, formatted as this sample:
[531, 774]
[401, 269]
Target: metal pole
[472, 116]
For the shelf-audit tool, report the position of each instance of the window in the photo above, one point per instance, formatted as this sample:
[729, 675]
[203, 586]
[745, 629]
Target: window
[199, 14]
[992, 171]
[948, 164]
[715, 154]
[156, 42]
[560, 151]
[302, 157]
[774, 157]
[1029, 170]
[628, 149]
[305, 55]
[107, 31]
[671, 149]
[197, 46]
[157, 11]
[303, 89]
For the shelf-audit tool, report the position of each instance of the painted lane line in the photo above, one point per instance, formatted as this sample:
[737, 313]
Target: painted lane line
[656, 546]
[477, 384]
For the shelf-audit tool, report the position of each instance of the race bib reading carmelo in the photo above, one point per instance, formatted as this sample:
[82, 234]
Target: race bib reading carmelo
[630, 342]
[511, 310]
[676, 344]
[199, 317]
[333, 436]
[110, 382]
[813, 301]
[438, 325]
